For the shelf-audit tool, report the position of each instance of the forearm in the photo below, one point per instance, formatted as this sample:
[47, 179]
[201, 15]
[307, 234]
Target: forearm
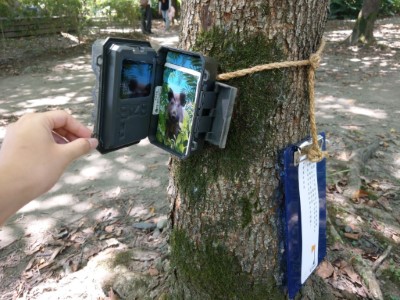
[33, 157]
[14, 191]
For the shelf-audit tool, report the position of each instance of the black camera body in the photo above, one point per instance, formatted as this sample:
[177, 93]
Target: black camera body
[170, 96]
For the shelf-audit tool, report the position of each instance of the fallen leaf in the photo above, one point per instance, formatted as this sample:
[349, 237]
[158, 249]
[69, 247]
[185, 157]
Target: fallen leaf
[117, 191]
[104, 237]
[112, 295]
[28, 275]
[354, 277]
[43, 263]
[74, 266]
[371, 203]
[325, 270]
[396, 238]
[339, 263]
[331, 187]
[374, 184]
[362, 193]
[62, 233]
[118, 232]
[342, 182]
[352, 236]
[370, 256]
[153, 272]
[30, 264]
[112, 242]
[36, 249]
[356, 229]
[336, 246]
[335, 275]
[339, 189]
[383, 201]
[109, 228]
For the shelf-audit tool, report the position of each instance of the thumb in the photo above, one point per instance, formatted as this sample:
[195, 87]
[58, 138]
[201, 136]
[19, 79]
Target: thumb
[78, 147]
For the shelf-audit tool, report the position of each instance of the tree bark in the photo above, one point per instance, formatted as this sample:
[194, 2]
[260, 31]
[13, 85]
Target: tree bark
[363, 31]
[226, 240]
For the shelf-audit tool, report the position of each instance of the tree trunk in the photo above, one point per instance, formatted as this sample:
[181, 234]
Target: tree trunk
[226, 240]
[363, 31]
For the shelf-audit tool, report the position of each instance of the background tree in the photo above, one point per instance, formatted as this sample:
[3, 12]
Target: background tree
[226, 238]
[177, 6]
[363, 31]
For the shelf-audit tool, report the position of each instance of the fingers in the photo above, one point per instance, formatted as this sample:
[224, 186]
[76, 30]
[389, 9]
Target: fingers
[66, 134]
[71, 137]
[59, 139]
[77, 148]
[73, 131]
[64, 124]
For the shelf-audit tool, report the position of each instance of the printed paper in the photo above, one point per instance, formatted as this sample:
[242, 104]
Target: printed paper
[309, 211]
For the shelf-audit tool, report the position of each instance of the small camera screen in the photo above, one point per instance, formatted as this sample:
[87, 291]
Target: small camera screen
[135, 79]
[177, 107]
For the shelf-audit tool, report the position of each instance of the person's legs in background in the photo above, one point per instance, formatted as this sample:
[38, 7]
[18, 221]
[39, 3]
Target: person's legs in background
[143, 18]
[166, 19]
[148, 18]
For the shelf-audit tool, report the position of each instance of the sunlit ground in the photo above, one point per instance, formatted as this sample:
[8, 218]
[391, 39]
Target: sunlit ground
[356, 93]
[387, 32]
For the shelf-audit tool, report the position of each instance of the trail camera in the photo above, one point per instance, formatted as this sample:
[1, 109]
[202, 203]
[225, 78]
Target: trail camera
[169, 96]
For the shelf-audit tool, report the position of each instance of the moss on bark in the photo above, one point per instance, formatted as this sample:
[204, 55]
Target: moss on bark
[226, 237]
[363, 31]
[246, 211]
[204, 262]
[214, 271]
[257, 100]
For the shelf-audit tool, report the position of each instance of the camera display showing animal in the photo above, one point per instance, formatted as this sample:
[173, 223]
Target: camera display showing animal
[137, 89]
[175, 112]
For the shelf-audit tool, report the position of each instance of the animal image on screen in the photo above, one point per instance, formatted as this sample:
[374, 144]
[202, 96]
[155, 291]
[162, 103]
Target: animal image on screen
[135, 79]
[177, 104]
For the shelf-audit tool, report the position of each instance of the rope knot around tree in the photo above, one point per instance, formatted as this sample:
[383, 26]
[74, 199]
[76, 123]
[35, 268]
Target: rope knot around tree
[314, 154]
[315, 61]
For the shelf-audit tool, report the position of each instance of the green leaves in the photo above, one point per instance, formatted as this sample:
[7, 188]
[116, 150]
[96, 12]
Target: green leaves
[122, 11]
[348, 9]
[344, 9]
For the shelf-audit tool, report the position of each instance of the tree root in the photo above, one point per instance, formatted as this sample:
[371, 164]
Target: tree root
[369, 278]
[381, 258]
[357, 161]
[333, 232]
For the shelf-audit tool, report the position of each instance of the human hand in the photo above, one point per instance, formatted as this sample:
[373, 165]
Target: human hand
[37, 149]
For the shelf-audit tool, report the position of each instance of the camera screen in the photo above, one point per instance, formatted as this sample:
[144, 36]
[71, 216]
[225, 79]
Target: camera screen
[184, 60]
[135, 79]
[178, 96]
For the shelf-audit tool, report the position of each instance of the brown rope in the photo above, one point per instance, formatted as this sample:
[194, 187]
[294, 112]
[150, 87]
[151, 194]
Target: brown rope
[314, 154]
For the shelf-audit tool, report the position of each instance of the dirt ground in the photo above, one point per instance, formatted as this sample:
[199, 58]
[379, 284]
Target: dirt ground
[103, 226]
